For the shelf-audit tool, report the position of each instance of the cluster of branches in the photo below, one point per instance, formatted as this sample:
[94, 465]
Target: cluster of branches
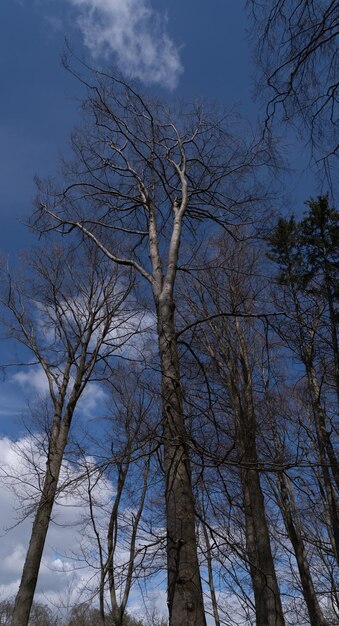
[219, 433]
[297, 52]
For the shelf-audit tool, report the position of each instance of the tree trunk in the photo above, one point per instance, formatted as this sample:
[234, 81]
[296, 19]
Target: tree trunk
[268, 606]
[331, 307]
[237, 376]
[327, 456]
[210, 577]
[290, 516]
[185, 600]
[320, 422]
[112, 537]
[117, 616]
[25, 595]
[265, 587]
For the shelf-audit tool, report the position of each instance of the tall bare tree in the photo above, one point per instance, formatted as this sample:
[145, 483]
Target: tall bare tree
[66, 311]
[123, 449]
[226, 296]
[304, 333]
[143, 178]
[285, 492]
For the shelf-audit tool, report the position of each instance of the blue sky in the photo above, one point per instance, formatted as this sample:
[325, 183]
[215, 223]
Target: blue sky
[183, 50]
[199, 50]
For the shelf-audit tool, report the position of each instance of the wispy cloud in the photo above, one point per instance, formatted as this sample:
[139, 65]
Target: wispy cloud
[135, 34]
[22, 461]
[35, 380]
[69, 569]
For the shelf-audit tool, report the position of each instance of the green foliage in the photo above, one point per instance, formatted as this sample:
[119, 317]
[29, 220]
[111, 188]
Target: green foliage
[319, 237]
[307, 252]
[284, 250]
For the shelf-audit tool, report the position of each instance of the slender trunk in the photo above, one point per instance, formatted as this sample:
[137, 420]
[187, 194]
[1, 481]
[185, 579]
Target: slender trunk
[133, 541]
[112, 538]
[320, 422]
[102, 598]
[334, 336]
[210, 578]
[185, 600]
[327, 457]
[326, 452]
[236, 373]
[118, 610]
[268, 605]
[117, 616]
[24, 598]
[289, 512]
[265, 586]
[333, 316]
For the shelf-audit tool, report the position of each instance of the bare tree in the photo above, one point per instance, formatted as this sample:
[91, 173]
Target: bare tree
[124, 458]
[283, 485]
[141, 179]
[304, 334]
[41, 615]
[227, 294]
[65, 312]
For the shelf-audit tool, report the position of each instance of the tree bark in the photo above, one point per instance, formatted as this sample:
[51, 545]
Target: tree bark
[268, 605]
[24, 598]
[265, 587]
[320, 422]
[231, 359]
[290, 517]
[327, 456]
[210, 577]
[185, 600]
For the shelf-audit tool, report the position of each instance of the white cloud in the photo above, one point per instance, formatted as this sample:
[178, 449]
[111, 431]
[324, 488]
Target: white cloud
[135, 335]
[34, 378]
[65, 576]
[135, 34]
[57, 572]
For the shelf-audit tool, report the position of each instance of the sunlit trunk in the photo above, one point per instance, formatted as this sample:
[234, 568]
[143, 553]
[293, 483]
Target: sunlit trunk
[185, 599]
[25, 595]
[214, 601]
